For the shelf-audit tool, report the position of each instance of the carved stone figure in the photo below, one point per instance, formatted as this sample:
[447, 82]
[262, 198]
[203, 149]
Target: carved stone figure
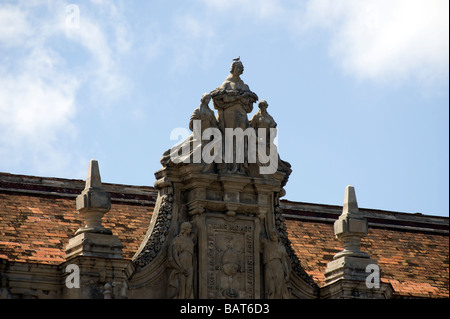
[233, 99]
[204, 114]
[190, 151]
[199, 143]
[181, 259]
[230, 267]
[262, 119]
[276, 268]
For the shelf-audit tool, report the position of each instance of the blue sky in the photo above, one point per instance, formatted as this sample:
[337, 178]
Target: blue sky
[359, 89]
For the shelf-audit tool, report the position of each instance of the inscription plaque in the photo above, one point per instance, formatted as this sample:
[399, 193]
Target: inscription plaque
[230, 258]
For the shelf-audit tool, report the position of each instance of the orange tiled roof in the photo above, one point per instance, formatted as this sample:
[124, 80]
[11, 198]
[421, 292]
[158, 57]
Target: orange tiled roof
[38, 216]
[412, 250]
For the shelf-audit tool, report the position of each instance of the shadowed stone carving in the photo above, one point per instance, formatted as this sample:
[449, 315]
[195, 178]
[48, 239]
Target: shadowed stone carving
[276, 268]
[181, 259]
[159, 232]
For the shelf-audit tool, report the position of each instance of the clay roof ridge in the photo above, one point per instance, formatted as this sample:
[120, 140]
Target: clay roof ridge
[376, 218]
[62, 187]
[146, 195]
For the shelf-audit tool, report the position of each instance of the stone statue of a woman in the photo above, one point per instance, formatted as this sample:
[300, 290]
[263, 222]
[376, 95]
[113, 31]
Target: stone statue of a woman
[181, 259]
[276, 268]
[233, 99]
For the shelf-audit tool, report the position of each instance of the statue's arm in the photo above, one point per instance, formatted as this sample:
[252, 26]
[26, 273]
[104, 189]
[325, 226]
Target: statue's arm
[194, 116]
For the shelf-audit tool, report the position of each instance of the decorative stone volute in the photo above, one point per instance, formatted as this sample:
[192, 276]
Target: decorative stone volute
[351, 226]
[93, 202]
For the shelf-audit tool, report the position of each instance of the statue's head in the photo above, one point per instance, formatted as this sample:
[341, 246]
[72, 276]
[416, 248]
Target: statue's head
[206, 97]
[237, 68]
[274, 236]
[186, 227]
[263, 104]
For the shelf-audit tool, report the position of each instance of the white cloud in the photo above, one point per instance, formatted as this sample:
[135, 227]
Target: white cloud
[106, 38]
[37, 104]
[39, 85]
[35, 116]
[13, 25]
[380, 40]
[386, 40]
[38, 100]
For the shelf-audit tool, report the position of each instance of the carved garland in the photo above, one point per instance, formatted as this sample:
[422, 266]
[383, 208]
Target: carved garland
[159, 233]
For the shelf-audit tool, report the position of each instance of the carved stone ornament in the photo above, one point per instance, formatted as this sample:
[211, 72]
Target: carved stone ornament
[210, 235]
[181, 260]
[159, 233]
[276, 268]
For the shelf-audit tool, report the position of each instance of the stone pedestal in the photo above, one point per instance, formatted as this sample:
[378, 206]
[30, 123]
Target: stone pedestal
[354, 289]
[347, 267]
[96, 278]
[93, 244]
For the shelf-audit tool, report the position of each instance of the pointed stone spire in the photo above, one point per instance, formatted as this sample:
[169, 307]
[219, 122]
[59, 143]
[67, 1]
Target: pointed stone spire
[350, 203]
[93, 202]
[93, 179]
[93, 240]
[346, 276]
[351, 226]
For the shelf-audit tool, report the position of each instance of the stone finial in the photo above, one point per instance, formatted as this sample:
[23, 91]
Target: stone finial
[348, 274]
[94, 240]
[93, 179]
[93, 202]
[351, 226]
[350, 204]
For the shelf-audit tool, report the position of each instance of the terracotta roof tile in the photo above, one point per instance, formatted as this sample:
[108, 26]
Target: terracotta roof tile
[416, 264]
[37, 218]
[40, 231]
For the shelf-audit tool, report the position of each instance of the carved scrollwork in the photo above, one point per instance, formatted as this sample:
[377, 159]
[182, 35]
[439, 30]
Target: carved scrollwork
[159, 233]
